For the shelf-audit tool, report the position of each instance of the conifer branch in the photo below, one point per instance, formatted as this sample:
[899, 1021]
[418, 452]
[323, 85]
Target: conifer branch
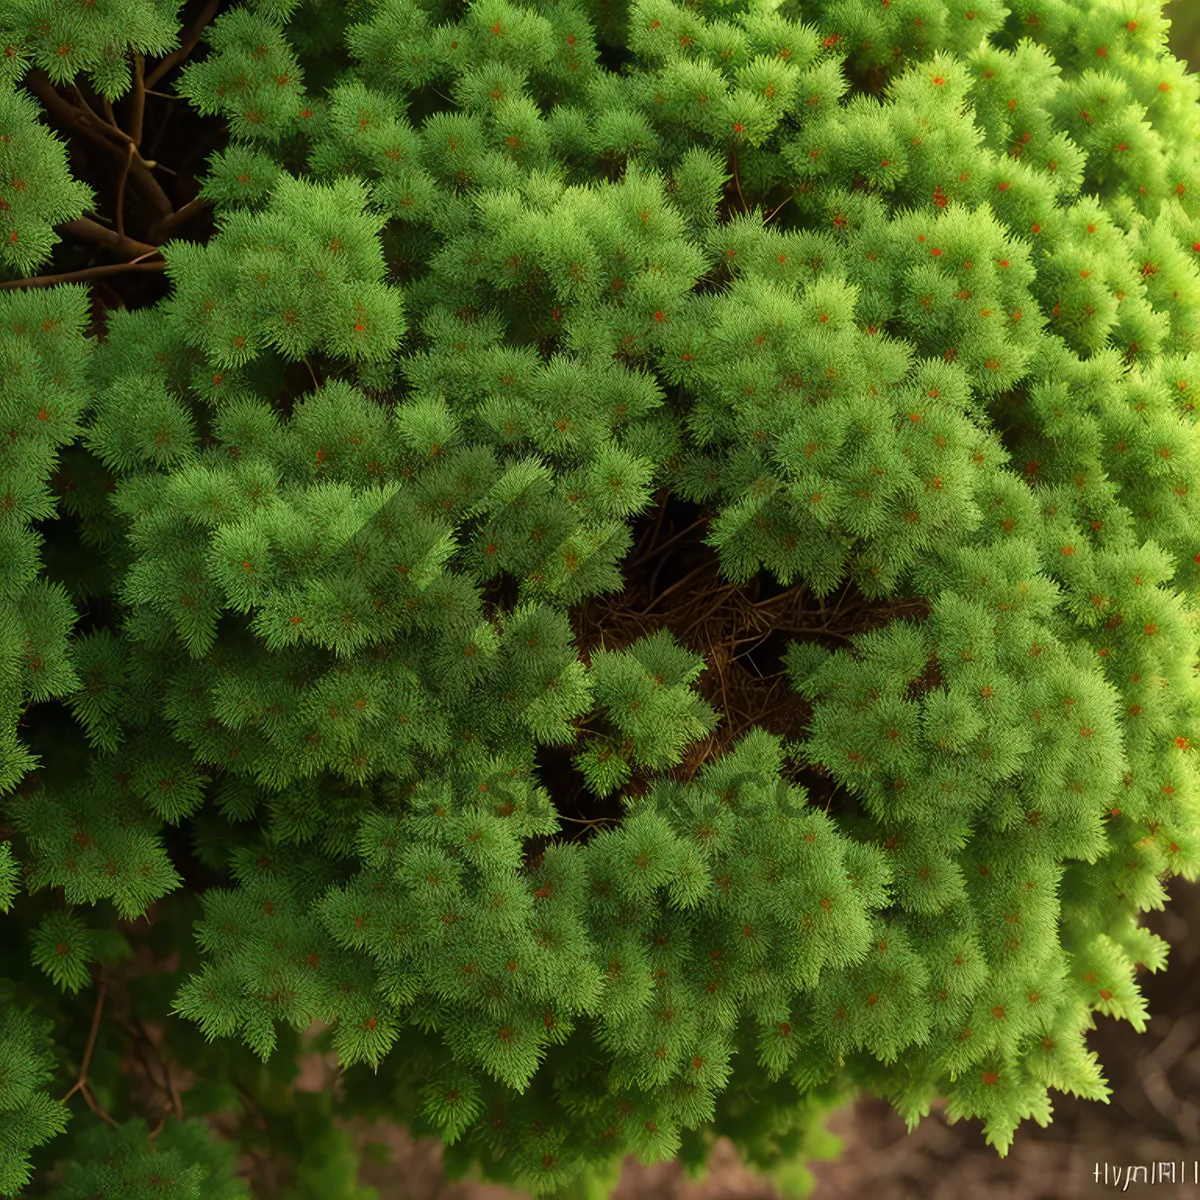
[569, 642]
[189, 43]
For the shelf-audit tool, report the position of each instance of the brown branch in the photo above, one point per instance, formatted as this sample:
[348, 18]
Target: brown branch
[89, 1048]
[137, 100]
[108, 121]
[709, 611]
[801, 589]
[704, 566]
[757, 639]
[166, 225]
[675, 537]
[82, 121]
[92, 231]
[81, 276]
[189, 43]
[715, 659]
[777, 207]
[121, 181]
[81, 1084]
[86, 123]
[588, 822]
[649, 539]
[98, 1109]
[176, 1099]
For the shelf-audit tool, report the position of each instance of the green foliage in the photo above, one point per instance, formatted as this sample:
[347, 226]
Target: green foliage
[253, 80]
[122, 1164]
[306, 274]
[39, 192]
[95, 39]
[9, 875]
[62, 947]
[905, 300]
[29, 1117]
[643, 691]
[43, 362]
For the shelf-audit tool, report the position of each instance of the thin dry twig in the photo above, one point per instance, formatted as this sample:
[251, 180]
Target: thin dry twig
[81, 1084]
[137, 100]
[87, 123]
[122, 178]
[700, 570]
[165, 226]
[88, 230]
[767, 219]
[660, 547]
[87, 273]
[737, 181]
[108, 123]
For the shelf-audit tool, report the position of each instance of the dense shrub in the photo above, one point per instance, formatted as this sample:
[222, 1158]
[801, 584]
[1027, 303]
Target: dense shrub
[375, 593]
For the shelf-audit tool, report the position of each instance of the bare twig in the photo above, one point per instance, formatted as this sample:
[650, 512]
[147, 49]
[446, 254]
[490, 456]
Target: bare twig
[89, 1048]
[675, 537]
[81, 120]
[191, 38]
[658, 520]
[704, 566]
[108, 122]
[166, 225]
[589, 821]
[81, 276]
[715, 659]
[88, 230]
[736, 180]
[121, 180]
[767, 219]
[98, 1109]
[137, 100]
[721, 594]
[112, 140]
[81, 1084]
